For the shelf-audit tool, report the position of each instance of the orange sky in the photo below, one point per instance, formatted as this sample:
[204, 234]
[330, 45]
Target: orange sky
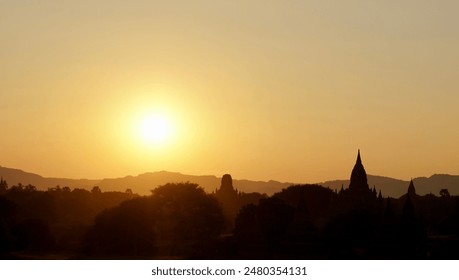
[284, 90]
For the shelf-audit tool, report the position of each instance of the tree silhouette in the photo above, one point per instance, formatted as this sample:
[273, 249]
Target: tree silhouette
[96, 190]
[177, 220]
[3, 186]
[188, 219]
[34, 235]
[125, 231]
[263, 227]
[444, 193]
[8, 210]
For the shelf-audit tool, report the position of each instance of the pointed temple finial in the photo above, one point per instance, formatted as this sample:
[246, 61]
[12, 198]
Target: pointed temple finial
[358, 157]
[411, 189]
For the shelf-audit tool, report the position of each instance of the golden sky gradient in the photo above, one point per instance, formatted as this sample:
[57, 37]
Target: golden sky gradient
[284, 90]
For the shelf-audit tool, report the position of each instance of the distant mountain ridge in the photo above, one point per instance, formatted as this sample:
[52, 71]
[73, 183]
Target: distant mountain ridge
[141, 184]
[16, 176]
[144, 183]
[396, 188]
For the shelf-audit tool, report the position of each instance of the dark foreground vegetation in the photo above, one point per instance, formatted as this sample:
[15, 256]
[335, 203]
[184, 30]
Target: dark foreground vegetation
[181, 221]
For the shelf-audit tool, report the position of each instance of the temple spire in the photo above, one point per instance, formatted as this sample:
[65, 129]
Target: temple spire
[358, 180]
[411, 190]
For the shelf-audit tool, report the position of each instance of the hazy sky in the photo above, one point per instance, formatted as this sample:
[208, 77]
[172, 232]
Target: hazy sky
[284, 90]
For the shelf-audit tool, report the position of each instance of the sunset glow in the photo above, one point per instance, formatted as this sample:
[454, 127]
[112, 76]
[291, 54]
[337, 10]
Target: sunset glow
[261, 89]
[155, 129]
[229, 129]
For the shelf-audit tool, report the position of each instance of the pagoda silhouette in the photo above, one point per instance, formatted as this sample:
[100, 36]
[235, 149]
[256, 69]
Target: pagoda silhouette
[358, 183]
[359, 192]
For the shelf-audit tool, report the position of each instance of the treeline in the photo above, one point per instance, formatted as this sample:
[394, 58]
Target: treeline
[38, 224]
[313, 222]
[181, 221]
[175, 221]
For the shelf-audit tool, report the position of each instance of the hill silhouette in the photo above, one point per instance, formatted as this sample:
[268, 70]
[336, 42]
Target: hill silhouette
[141, 184]
[144, 183]
[16, 176]
[396, 188]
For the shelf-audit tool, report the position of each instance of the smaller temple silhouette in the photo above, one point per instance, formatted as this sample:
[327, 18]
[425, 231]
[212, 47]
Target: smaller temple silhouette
[411, 190]
[410, 194]
[226, 192]
[232, 200]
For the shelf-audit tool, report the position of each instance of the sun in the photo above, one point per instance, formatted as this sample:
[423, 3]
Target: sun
[155, 129]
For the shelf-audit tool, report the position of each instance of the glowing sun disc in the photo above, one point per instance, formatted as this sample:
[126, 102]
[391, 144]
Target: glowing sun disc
[155, 129]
